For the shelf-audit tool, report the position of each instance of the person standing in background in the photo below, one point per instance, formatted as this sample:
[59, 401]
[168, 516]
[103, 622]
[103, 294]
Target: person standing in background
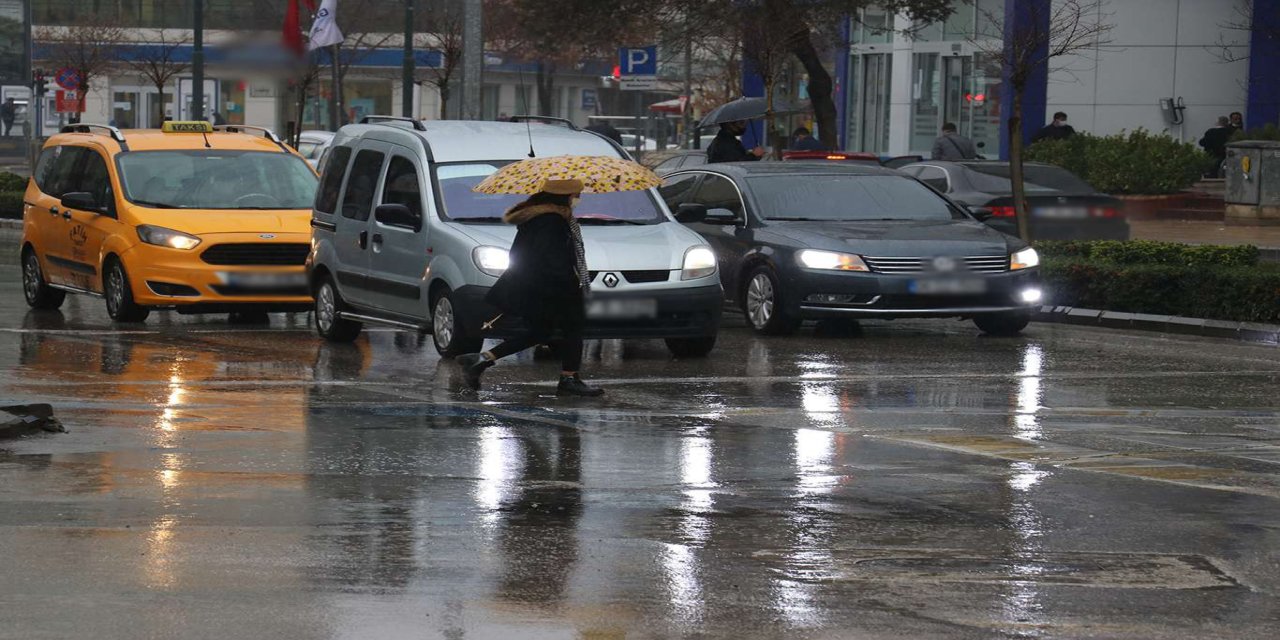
[952, 146]
[1215, 143]
[1056, 130]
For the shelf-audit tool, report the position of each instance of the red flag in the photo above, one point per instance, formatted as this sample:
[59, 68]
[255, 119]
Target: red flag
[293, 29]
[311, 5]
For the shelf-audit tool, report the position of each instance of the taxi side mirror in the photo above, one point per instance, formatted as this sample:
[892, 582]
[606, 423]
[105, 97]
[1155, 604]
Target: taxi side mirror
[83, 201]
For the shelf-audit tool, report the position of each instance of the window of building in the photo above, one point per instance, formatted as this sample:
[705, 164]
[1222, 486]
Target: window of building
[872, 26]
[366, 97]
[489, 102]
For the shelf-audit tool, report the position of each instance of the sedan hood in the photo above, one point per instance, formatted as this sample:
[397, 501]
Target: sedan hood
[204, 221]
[897, 237]
[614, 247]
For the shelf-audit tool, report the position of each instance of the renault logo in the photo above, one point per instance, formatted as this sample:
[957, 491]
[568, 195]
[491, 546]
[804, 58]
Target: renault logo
[611, 280]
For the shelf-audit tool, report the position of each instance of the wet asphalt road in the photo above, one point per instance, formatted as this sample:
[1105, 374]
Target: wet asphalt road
[910, 481]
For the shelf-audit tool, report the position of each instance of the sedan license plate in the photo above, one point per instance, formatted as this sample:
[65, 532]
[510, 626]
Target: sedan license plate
[948, 286]
[264, 280]
[623, 309]
[1061, 213]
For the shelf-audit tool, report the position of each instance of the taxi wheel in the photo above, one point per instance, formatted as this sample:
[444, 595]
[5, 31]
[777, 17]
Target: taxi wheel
[762, 304]
[446, 328]
[1003, 324]
[328, 324]
[119, 295]
[39, 295]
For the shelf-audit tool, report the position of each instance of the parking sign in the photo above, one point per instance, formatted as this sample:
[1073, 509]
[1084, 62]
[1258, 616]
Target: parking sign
[638, 67]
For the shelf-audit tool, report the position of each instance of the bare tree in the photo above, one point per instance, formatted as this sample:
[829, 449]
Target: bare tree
[90, 48]
[1239, 29]
[158, 62]
[1046, 31]
[443, 35]
[770, 30]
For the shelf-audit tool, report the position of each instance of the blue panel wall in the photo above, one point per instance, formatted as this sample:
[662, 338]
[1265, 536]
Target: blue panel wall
[1264, 65]
[1019, 16]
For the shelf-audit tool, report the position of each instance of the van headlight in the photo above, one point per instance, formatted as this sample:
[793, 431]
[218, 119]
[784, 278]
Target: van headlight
[162, 237]
[1024, 259]
[830, 261]
[699, 262]
[491, 260]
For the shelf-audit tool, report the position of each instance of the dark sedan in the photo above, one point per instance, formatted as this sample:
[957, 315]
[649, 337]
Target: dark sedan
[799, 241]
[1062, 206]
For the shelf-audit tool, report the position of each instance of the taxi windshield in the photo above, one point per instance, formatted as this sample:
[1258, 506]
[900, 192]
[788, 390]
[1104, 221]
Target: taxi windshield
[217, 179]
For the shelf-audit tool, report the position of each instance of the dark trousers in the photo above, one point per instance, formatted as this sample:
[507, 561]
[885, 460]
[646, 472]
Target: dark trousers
[569, 318]
[8, 126]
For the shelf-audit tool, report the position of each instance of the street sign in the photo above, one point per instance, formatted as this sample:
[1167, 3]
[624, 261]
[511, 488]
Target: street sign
[638, 68]
[68, 79]
[590, 99]
[68, 102]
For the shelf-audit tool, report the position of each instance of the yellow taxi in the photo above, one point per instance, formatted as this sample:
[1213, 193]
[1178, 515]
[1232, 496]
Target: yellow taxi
[190, 217]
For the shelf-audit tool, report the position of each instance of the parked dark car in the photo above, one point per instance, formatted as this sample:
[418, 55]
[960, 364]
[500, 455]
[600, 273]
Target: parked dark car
[681, 160]
[799, 241]
[1062, 206]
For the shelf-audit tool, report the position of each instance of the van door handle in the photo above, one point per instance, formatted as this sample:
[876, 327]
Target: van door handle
[364, 239]
[377, 239]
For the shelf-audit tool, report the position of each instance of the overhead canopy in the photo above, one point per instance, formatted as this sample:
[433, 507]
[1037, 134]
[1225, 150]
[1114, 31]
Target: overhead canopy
[674, 105]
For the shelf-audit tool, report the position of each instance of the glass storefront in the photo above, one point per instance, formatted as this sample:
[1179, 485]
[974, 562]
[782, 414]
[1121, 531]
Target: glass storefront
[961, 89]
[868, 111]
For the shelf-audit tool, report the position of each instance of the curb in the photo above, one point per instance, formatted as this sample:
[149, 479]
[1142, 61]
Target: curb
[10, 224]
[1252, 332]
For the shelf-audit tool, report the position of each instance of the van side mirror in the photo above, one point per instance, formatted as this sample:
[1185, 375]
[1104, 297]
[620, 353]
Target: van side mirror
[691, 213]
[82, 201]
[397, 215]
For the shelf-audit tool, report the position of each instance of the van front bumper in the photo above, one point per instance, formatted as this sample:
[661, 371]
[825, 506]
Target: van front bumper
[691, 312]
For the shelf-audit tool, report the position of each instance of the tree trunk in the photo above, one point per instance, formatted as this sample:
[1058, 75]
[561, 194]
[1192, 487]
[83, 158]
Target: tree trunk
[444, 100]
[160, 105]
[820, 90]
[1015, 167]
[546, 82]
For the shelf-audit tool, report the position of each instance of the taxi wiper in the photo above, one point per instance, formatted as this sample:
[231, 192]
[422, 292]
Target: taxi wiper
[156, 205]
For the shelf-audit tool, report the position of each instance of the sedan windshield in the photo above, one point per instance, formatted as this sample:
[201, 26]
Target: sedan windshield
[841, 197]
[456, 182]
[217, 179]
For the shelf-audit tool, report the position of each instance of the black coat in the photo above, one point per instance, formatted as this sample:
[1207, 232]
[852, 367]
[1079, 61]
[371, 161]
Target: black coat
[1215, 141]
[726, 147]
[1050, 132]
[541, 280]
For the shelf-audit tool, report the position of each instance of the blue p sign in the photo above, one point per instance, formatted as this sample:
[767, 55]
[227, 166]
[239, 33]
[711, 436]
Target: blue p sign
[639, 61]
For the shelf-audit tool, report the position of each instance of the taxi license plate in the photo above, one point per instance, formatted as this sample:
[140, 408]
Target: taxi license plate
[623, 309]
[258, 280]
[948, 286]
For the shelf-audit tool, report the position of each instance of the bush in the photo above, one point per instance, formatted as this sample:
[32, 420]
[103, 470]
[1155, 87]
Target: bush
[11, 204]
[1150, 252]
[12, 182]
[1265, 132]
[1135, 163]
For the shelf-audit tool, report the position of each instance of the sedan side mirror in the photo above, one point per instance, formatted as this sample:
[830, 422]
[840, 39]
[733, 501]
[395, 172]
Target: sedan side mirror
[721, 215]
[982, 214]
[82, 201]
[691, 213]
[397, 215]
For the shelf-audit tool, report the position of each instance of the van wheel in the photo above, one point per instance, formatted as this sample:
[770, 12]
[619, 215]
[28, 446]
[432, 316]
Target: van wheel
[328, 324]
[39, 295]
[762, 303]
[691, 347]
[1003, 324]
[119, 295]
[446, 329]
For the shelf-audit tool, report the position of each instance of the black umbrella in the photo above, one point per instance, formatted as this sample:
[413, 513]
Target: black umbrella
[744, 109]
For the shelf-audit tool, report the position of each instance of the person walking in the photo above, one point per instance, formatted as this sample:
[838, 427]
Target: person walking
[726, 147]
[1215, 143]
[546, 284]
[802, 140]
[1056, 130]
[8, 113]
[952, 146]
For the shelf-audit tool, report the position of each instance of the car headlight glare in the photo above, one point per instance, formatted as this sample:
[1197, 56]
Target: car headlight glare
[1024, 259]
[162, 237]
[831, 261]
[699, 262]
[493, 261]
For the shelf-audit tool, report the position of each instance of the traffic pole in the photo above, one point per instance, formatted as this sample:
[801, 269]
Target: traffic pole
[197, 63]
[335, 104]
[472, 59]
[406, 100]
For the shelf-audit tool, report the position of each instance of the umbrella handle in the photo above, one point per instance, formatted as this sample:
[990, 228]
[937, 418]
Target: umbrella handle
[489, 325]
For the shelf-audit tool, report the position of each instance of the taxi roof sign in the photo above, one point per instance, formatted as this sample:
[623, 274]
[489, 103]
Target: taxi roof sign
[173, 126]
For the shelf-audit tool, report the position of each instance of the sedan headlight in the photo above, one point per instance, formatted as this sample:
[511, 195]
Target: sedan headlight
[1024, 259]
[491, 260]
[162, 237]
[699, 262]
[831, 261]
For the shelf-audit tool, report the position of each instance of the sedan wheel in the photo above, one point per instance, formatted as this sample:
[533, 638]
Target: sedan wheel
[762, 302]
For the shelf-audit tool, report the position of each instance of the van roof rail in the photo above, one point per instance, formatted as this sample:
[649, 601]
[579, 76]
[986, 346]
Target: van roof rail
[389, 120]
[242, 128]
[546, 120]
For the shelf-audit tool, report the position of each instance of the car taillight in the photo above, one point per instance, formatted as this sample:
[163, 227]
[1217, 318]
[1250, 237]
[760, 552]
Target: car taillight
[1104, 212]
[1003, 212]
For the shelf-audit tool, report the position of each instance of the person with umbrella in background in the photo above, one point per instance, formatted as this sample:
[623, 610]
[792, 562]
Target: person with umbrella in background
[726, 147]
[732, 118]
[547, 280]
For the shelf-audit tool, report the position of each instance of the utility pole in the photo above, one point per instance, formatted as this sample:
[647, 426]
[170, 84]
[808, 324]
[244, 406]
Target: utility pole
[406, 100]
[686, 110]
[472, 59]
[197, 64]
[335, 92]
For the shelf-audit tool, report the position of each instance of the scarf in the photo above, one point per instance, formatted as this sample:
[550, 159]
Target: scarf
[520, 214]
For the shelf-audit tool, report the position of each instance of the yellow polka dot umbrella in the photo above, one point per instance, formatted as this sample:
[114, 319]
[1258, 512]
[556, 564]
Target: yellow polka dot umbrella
[598, 174]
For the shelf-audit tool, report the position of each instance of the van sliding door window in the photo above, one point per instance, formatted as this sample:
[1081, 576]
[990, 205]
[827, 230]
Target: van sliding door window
[357, 201]
[331, 184]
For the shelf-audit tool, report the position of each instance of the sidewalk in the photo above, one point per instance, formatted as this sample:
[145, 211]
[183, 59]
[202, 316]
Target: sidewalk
[1204, 232]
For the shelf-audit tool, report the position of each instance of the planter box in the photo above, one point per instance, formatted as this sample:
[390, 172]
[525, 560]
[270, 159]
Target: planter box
[1149, 207]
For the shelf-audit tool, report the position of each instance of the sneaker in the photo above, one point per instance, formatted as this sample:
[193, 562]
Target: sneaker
[574, 386]
[473, 364]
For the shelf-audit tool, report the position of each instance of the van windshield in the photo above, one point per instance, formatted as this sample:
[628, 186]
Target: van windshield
[456, 181]
[217, 179]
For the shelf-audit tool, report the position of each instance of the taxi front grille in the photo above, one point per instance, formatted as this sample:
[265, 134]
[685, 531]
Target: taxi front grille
[257, 253]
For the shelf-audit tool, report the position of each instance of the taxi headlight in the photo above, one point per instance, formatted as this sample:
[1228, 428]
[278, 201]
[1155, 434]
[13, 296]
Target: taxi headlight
[491, 260]
[830, 260]
[162, 237]
[699, 262]
[1024, 259]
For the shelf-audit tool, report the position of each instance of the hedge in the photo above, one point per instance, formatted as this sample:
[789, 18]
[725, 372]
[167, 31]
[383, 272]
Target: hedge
[11, 204]
[1163, 278]
[1138, 162]
[12, 182]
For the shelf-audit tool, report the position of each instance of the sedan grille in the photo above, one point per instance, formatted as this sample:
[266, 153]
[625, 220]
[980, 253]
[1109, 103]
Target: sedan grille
[975, 264]
[258, 253]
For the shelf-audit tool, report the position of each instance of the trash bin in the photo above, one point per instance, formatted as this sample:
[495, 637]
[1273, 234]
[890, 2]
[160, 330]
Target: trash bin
[1253, 182]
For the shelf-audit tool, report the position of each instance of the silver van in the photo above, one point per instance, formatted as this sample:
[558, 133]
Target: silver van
[399, 238]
